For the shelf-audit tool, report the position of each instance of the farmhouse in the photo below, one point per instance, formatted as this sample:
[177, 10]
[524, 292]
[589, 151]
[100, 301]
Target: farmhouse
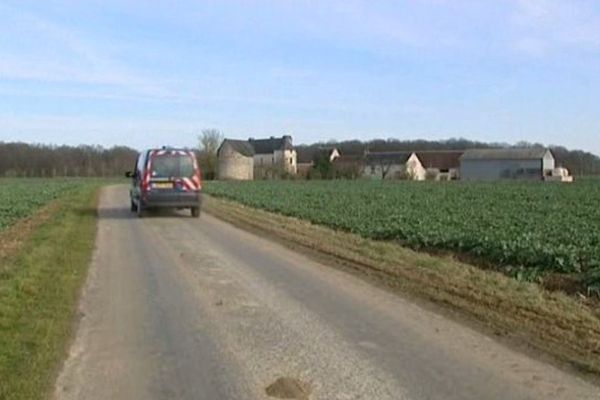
[236, 160]
[393, 165]
[494, 164]
[260, 158]
[441, 165]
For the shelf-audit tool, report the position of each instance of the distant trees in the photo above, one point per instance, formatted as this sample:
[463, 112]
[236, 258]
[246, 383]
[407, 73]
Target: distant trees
[36, 160]
[210, 140]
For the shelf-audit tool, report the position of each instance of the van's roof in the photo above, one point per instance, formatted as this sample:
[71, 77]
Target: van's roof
[166, 148]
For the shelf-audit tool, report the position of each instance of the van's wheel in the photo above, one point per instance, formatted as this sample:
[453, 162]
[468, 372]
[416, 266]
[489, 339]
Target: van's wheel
[133, 206]
[140, 210]
[195, 212]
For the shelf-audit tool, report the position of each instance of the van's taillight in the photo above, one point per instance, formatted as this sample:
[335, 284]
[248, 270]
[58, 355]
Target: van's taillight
[145, 186]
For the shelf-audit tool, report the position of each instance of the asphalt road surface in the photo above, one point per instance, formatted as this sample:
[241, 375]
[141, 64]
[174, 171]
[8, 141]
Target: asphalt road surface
[183, 308]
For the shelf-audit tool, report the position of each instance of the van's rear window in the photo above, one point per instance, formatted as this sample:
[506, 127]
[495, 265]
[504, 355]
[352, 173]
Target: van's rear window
[172, 165]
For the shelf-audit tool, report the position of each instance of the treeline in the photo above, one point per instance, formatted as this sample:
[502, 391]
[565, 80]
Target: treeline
[36, 160]
[576, 161]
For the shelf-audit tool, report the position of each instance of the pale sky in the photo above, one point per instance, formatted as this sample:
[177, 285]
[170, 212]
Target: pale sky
[152, 73]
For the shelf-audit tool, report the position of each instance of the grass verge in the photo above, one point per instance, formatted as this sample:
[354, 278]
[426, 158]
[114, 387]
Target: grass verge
[41, 272]
[552, 322]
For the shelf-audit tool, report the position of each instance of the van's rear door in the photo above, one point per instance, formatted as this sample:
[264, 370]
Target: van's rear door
[172, 174]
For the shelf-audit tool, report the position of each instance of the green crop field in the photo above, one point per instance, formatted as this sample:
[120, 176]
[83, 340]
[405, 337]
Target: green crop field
[527, 228]
[20, 198]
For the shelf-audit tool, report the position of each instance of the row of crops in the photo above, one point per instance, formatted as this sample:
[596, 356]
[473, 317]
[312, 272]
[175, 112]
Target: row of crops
[528, 228]
[21, 198]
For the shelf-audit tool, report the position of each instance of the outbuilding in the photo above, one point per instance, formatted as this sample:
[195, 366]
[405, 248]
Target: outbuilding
[506, 163]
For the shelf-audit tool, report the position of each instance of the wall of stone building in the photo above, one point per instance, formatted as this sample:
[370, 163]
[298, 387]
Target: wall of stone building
[234, 166]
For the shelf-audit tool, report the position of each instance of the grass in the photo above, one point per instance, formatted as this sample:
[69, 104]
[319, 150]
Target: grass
[43, 263]
[523, 312]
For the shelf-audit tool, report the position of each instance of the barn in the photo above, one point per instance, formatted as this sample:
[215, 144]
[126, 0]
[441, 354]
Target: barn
[236, 160]
[506, 163]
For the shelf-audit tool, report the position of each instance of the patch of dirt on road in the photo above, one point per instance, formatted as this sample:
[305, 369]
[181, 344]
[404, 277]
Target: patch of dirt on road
[289, 388]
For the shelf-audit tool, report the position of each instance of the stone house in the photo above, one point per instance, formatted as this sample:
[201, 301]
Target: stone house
[274, 156]
[393, 165]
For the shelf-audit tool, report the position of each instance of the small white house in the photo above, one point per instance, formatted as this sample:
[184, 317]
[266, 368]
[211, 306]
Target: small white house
[394, 165]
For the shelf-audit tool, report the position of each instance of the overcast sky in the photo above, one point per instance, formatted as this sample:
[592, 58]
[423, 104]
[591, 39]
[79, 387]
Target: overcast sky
[153, 73]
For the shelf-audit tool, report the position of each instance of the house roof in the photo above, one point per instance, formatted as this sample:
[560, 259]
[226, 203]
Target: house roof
[534, 153]
[394, 157]
[240, 146]
[440, 159]
[268, 146]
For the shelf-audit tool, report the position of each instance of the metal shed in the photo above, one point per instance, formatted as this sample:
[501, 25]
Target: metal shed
[506, 163]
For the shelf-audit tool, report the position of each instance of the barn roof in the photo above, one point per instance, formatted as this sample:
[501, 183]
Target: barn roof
[241, 146]
[349, 159]
[535, 153]
[395, 157]
[305, 155]
[268, 146]
[440, 159]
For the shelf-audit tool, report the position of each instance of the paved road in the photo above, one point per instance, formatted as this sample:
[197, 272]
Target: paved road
[181, 308]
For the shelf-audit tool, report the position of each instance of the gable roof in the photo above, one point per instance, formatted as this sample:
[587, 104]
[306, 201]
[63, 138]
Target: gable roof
[391, 157]
[440, 159]
[240, 146]
[268, 146]
[534, 153]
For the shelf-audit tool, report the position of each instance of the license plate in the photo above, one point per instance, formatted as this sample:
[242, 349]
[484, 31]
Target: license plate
[162, 185]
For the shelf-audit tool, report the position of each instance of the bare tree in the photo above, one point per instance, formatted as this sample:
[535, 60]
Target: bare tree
[385, 164]
[210, 140]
